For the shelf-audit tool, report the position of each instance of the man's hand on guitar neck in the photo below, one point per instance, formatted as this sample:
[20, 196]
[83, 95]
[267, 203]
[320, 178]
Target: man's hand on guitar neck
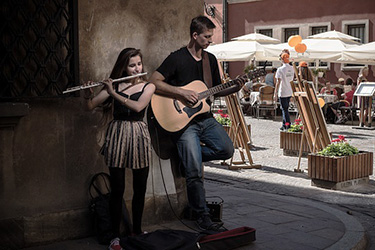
[239, 82]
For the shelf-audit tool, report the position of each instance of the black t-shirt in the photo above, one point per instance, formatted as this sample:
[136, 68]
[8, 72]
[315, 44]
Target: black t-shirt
[180, 68]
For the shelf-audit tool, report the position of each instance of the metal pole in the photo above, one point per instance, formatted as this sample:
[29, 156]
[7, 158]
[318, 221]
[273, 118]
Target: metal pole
[224, 38]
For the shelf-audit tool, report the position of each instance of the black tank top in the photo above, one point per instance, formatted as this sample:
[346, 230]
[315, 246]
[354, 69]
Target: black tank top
[121, 112]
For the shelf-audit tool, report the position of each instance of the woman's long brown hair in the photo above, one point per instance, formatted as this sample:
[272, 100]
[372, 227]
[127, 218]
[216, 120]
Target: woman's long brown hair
[118, 71]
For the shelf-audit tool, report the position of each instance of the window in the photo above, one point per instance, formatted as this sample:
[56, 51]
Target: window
[266, 32]
[290, 32]
[357, 30]
[264, 63]
[40, 39]
[321, 64]
[318, 30]
[314, 31]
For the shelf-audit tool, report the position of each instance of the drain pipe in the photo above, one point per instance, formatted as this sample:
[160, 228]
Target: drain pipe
[225, 64]
[224, 21]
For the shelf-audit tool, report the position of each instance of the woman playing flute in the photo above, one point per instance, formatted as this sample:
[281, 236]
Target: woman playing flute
[127, 141]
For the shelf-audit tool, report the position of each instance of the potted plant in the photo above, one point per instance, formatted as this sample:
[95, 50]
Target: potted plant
[249, 67]
[318, 72]
[223, 119]
[290, 140]
[339, 162]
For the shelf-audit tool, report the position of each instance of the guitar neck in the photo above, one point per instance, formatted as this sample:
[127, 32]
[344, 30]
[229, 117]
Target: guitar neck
[214, 90]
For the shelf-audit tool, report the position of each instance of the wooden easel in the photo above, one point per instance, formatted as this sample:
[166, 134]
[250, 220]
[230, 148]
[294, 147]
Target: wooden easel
[315, 128]
[239, 132]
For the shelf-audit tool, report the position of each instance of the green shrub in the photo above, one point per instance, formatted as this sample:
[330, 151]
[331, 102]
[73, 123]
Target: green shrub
[339, 147]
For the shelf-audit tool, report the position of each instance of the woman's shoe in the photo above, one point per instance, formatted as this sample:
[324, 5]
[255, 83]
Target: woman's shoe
[115, 244]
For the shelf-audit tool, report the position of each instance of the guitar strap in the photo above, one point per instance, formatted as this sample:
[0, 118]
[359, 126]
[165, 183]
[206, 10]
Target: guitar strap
[207, 76]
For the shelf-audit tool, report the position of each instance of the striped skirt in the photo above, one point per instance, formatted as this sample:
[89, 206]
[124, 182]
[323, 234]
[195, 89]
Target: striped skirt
[127, 144]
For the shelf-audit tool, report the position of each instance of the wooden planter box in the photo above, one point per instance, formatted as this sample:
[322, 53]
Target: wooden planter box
[290, 142]
[340, 169]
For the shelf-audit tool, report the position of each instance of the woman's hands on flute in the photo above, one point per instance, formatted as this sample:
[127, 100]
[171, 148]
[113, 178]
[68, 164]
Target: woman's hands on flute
[108, 86]
[88, 93]
[95, 100]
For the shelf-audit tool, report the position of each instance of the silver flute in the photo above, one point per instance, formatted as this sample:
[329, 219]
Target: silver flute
[95, 84]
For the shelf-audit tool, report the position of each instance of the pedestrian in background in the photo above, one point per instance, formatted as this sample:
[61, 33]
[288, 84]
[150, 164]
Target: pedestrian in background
[283, 89]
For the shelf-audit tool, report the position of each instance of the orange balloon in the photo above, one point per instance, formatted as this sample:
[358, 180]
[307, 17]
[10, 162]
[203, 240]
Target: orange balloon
[294, 40]
[300, 48]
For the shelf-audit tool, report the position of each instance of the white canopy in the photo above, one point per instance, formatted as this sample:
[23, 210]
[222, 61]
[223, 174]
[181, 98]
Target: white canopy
[327, 50]
[326, 46]
[242, 48]
[364, 53]
[336, 35]
[237, 51]
[256, 37]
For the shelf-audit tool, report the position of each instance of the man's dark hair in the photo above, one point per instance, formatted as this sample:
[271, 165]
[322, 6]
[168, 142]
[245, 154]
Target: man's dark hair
[349, 81]
[200, 23]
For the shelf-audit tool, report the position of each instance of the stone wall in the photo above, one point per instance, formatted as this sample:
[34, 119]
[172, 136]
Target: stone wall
[49, 149]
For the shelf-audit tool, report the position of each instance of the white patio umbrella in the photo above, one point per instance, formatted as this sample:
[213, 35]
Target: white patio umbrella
[260, 38]
[326, 50]
[237, 51]
[336, 35]
[326, 46]
[364, 53]
[242, 48]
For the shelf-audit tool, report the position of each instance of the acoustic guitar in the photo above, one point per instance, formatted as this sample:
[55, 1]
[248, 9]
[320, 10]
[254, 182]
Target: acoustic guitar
[173, 116]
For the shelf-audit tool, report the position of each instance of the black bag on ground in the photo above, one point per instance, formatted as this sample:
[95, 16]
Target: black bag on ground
[99, 206]
[162, 240]
[182, 240]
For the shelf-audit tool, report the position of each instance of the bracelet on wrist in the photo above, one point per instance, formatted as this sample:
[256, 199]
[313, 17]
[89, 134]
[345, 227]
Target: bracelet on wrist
[125, 100]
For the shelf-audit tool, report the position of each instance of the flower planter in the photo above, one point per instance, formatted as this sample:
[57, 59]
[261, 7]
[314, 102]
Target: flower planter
[290, 142]
[328, 171]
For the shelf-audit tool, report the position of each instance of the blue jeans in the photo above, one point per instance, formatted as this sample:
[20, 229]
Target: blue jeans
[217, 146]
[284, 101]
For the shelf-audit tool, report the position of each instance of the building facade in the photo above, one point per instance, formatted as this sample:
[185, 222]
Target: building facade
[281, 19]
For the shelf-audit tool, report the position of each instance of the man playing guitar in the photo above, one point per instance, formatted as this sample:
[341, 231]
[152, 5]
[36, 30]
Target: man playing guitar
[178, 70]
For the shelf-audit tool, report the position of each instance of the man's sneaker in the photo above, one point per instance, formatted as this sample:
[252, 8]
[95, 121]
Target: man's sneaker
[205, 223]
[115, 244]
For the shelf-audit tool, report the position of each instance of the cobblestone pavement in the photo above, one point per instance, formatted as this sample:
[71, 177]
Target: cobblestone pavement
[277, 174]
[286, 210]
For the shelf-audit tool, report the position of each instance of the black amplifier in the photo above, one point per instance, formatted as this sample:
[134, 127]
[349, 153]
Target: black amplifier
[216, 208]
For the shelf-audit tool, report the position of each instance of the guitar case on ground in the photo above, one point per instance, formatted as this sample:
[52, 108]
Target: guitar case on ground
[183, 240]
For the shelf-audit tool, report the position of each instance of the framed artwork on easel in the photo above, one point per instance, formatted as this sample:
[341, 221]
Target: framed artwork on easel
[366, 89]
[365, 92]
